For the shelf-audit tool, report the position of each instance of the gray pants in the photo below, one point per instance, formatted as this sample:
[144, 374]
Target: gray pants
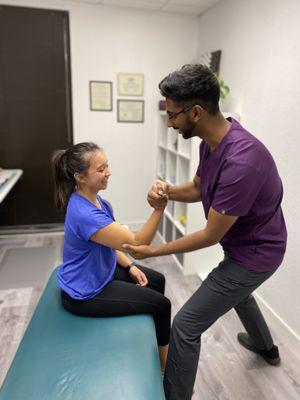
[229, 285]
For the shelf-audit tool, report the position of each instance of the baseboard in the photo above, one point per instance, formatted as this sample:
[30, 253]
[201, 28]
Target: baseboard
[284, 333]
[29, 229]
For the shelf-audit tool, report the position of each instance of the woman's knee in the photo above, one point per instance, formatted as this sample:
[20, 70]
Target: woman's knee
[160, 279]
[157, 281]
[162, 307]
[166, 305]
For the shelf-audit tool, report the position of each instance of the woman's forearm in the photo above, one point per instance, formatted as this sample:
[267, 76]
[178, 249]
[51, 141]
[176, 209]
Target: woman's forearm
[122, 259]
[147, 233]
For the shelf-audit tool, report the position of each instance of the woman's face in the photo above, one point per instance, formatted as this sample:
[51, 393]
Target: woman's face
[96, 177]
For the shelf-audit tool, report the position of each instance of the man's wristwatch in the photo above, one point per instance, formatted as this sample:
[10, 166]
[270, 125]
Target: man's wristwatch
[130, 265]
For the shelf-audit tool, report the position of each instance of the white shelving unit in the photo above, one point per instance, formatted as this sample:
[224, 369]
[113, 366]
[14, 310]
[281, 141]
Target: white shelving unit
[177, 162]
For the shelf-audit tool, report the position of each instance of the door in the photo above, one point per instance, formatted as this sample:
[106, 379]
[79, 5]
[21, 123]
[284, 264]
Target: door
[35, 108]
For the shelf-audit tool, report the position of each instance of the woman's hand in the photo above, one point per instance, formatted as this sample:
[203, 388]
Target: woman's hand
[139, 252]
[138, 276]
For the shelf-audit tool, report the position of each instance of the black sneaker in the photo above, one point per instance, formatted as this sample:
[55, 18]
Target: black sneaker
[270, 356]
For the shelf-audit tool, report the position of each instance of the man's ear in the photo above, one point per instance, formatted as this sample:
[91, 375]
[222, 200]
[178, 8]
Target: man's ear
[197, 112]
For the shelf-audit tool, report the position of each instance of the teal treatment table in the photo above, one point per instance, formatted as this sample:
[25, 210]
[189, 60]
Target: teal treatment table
[66, 357]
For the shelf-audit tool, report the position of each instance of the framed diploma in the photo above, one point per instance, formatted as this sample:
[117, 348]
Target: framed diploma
[100, 96]
[130, 84]
[130, 110]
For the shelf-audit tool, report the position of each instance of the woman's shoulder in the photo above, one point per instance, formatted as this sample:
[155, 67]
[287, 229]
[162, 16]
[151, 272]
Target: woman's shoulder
[79, 207]
[76, 201]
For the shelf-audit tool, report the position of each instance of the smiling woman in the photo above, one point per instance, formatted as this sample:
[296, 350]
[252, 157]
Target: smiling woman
[96, 278]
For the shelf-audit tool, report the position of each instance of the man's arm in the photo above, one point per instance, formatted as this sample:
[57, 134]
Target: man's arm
[217, 226]
[187, 192]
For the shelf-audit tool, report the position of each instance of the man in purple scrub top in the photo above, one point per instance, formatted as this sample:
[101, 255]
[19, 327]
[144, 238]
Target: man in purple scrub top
[241, 192]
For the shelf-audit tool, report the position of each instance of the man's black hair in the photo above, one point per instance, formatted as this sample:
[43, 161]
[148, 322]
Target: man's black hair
[192, 84]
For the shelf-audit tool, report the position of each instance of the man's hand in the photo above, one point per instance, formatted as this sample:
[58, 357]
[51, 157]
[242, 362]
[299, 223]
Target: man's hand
[138, 276]
[158, 195]
[139, 252]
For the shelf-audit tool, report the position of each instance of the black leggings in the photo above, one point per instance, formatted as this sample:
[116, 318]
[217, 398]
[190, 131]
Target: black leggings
[122, 296]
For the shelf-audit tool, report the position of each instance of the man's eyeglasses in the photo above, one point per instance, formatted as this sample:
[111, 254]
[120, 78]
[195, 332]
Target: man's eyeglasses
[174, 115]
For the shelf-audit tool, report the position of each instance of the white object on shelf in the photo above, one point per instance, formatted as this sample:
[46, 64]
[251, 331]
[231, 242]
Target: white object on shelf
[181, 162]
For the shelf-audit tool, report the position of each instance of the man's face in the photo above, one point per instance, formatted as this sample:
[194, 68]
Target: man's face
[179, 119]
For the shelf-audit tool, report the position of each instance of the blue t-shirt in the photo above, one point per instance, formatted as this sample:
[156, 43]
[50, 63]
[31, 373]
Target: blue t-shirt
[87, 266]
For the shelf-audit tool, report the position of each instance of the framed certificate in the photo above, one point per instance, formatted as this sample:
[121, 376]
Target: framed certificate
[100, 96]
[130, 84]
[130, 110]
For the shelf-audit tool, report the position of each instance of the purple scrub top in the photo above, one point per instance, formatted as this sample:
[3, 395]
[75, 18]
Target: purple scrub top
[240, 178]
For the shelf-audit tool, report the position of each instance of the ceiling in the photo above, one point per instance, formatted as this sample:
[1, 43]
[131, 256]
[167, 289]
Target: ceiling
[192, 7]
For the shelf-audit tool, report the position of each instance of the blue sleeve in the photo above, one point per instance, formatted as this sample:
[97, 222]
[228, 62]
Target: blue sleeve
[92, 221]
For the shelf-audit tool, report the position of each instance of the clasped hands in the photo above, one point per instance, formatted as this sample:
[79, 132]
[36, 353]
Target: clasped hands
[158, 197]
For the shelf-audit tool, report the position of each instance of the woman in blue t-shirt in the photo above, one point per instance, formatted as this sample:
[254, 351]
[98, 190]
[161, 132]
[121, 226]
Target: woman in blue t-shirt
[97, 279]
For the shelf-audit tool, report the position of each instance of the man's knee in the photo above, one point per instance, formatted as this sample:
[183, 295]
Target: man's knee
[245, 302]
[186, 327]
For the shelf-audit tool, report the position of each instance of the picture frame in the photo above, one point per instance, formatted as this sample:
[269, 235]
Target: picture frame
[130, 84]
[100, 95]
[130, 110]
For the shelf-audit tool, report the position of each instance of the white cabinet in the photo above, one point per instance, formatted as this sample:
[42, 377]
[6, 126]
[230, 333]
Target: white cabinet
[177, 162]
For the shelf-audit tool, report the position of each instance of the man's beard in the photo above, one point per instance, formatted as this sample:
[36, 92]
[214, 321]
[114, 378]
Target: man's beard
[188, 130]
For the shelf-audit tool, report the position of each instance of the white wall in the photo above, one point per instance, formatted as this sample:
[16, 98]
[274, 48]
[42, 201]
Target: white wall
[108, 40]
[260, 62]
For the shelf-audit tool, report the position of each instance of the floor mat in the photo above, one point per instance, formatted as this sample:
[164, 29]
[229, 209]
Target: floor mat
[26, 266]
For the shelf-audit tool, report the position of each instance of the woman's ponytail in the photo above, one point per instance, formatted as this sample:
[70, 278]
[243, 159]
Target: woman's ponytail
[65, 164]
[64, 183]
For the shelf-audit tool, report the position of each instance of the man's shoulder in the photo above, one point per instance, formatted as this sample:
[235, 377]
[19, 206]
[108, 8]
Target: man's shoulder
[243, 141]
[248, 152]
